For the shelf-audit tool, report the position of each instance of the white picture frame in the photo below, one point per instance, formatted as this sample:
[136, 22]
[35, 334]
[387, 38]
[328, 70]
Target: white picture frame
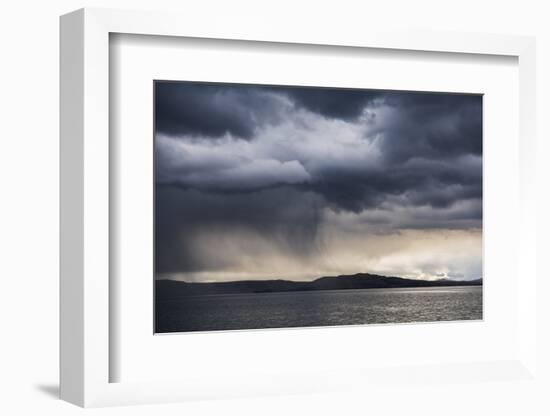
[85, 208]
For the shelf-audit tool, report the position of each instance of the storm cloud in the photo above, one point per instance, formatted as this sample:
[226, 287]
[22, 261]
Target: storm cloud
[281, 166]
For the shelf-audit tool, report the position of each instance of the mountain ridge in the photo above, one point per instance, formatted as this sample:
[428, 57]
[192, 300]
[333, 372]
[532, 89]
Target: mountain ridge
[167, 289]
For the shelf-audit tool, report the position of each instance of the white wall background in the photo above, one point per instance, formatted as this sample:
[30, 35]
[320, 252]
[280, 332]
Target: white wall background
[29, 198]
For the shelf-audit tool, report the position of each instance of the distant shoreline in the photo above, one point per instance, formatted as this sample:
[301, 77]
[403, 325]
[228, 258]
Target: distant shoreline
[172, 289]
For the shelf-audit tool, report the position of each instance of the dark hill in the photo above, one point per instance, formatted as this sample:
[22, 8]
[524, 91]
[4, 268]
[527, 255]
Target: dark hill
[172, 289]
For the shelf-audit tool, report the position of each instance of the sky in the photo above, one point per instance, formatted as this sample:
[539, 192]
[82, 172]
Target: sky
[296, 183]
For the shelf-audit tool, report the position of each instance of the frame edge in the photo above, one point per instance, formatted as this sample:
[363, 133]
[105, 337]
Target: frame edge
[71, 220]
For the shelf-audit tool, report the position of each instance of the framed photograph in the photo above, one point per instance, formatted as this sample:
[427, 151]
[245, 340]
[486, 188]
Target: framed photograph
[290, 206]
[307, 205]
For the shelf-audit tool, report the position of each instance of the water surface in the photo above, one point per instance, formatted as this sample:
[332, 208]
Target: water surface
[318, 308]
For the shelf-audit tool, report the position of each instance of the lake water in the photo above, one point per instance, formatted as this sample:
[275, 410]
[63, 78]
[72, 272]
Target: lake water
[319, 308]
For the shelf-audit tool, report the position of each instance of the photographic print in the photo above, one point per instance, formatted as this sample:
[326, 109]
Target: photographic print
[294, 206]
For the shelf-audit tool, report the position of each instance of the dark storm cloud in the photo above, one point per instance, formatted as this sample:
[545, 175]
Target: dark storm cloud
[217, 109]
[428, 144]
[269, 160]
[346, 104]
[290, 218]
[211, 109]
[422, 125]
[431, 125]
[419, 182]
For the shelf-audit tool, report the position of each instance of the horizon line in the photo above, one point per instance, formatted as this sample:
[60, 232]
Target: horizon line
[156, 278]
